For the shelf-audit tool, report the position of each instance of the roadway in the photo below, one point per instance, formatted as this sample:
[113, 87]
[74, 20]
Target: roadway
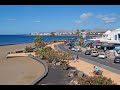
[106, 62]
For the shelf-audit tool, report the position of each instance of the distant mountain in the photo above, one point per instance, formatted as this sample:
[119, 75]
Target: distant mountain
[97, 30]
[87, 30]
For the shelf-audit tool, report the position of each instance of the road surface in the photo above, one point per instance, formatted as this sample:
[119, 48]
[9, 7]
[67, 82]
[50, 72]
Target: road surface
[106, 62]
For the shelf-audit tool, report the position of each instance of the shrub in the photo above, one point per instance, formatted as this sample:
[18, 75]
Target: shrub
[96, 80]
[48, 49]
[41, 52]
[53, 55]
[28, 49]
[39, 42]
[38, 39]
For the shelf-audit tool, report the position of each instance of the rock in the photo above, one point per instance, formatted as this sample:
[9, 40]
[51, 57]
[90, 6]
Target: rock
[8, 53]
[72, 73]
[54, 61]
[71, 82]
[58, 63]
[43, 84]
[30, 55]
[74, 82]
[80, 74]
[24, 51]
[65, 67]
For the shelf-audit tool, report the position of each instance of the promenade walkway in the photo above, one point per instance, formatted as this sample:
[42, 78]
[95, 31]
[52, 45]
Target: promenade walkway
[86, 67]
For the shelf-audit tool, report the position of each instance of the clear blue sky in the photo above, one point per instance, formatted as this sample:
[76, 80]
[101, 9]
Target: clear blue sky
[23, 19]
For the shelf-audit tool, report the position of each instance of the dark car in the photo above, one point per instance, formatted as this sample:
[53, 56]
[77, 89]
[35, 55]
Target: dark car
[117, 59]
[87, 52]
[71, 47]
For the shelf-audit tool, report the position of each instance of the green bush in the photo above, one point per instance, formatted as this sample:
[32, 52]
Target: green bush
[39, 42]
[38, 39]
[41, 52]
[96, 80]
[28, 49]
[53, 55]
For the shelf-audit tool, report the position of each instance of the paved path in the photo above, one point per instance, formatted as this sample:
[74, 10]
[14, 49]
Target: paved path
[104, 63]
[56, 76]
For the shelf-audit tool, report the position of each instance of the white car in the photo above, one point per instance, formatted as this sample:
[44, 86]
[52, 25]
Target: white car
[102, 56]
[118, 51]
[77, 50]
[72, 49]
[94, 54]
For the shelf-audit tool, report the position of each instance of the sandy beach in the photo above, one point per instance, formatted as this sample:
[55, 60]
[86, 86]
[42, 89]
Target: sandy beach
[18, 70]
[9, 48]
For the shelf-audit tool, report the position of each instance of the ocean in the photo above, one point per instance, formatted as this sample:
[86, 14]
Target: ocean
[20, 39]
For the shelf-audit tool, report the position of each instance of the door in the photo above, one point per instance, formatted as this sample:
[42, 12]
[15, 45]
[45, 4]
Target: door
[115, 37]
[118, 36]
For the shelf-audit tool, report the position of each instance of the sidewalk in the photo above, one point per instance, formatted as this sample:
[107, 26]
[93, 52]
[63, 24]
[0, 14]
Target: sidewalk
[87, 69]
[86, 66]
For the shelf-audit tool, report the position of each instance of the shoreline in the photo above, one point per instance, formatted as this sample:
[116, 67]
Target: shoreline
[6, 44]
[15, 44]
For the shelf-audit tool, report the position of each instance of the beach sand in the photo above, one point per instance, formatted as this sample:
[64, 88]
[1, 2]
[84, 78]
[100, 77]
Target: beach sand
[9, 48]
[87, 69]
[20, 71]
[53, 44]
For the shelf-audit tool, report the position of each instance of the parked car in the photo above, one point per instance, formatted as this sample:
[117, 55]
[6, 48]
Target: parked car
[102, 56]
[67, 44]
[118, 51]
[94, 53]
[117, 59]
[87, 52]
[73, 49]
[77, 50]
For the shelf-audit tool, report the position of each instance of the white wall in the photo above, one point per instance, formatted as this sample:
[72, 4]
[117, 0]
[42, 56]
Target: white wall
[113, 33]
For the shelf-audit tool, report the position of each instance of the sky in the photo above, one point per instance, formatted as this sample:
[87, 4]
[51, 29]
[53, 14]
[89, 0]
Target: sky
[24, 19]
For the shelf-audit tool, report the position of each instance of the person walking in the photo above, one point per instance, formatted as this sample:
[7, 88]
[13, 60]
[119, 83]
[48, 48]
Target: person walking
[76, 59]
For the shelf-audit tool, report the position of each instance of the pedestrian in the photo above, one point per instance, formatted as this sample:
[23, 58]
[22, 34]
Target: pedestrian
[96, 70]
[76, 59]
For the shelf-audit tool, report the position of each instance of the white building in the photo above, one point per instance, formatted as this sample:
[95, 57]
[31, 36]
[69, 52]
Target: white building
[110, 36]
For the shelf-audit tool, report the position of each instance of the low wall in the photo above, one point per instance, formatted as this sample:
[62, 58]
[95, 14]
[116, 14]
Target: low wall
[35, 82]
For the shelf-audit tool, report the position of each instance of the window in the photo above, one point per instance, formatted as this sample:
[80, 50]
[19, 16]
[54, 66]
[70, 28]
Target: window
[118, 36]
[115, 37]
